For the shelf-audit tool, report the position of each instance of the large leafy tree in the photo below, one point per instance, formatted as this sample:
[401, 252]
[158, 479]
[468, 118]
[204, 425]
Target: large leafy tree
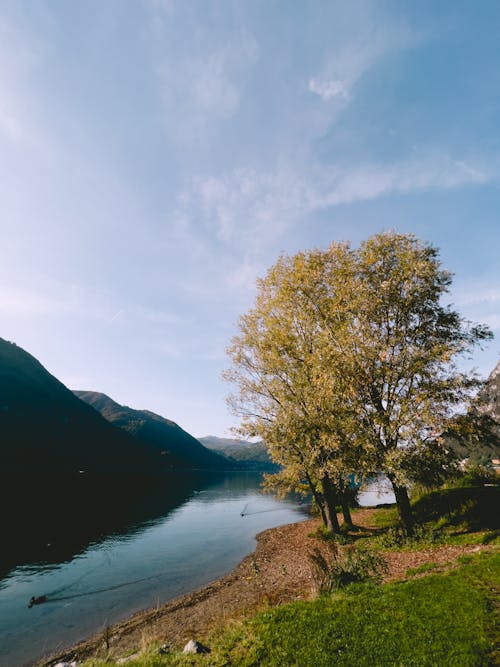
[283, 392]
[401, 355]
[348, 362]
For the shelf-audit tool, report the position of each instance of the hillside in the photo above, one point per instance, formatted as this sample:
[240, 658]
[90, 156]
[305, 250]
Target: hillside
[46, 431]
[488, 399]
[251, 454]
[161, 436]
[482, 443]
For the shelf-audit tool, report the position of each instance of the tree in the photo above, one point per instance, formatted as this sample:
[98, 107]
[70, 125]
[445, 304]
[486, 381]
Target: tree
[279, 370]
[348, 361]
[401, 348]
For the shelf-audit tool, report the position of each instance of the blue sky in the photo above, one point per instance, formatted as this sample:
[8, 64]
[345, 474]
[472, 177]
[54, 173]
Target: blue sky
[157, 156]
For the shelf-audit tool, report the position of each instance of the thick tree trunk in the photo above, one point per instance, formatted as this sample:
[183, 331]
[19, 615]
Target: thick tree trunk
[404, 507]
[346, 512]
[329, 497]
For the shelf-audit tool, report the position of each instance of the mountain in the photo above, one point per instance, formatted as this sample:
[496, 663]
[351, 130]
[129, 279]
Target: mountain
[476, 435]
[161, 436]
[488, 399]
[47, 432]
[253, 455]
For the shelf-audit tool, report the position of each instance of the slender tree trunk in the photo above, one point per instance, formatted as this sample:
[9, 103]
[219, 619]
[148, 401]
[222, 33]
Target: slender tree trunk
[318, 499]
[329, 497]
[346, 512]
[321, 508]
[404, 507]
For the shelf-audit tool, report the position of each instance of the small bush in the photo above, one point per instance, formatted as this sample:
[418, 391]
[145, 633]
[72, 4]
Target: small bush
[345, 567]
[323, 534]
[396, 538]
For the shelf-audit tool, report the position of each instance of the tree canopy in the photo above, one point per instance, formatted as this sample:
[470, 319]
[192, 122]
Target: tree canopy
[347, 363]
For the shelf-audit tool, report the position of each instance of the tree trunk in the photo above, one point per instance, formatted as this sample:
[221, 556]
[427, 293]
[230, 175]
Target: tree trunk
[321, 508]
[404, 507]
[329, 496]
[318, 499]
[346, 512]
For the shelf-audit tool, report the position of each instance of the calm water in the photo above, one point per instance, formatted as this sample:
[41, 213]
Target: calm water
[174, 539]
[376, 492]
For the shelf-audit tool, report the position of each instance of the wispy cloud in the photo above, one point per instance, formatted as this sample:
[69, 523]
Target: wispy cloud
[479, 300]
[366, 38]
[253, 207]
[199, 83]
[479, 294]
[433, 171]
[327, 89]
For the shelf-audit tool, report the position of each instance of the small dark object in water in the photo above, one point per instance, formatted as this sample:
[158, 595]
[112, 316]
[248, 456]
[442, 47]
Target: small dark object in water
[39, 600]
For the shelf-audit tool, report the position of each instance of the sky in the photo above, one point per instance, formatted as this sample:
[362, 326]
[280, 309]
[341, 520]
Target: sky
[157, 156]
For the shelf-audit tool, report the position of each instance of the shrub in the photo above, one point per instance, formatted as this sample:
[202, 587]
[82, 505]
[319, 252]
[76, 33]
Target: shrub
[396, 537]
[323, 534]
[345, 567]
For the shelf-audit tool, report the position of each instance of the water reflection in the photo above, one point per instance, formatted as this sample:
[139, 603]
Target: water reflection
[54, 523]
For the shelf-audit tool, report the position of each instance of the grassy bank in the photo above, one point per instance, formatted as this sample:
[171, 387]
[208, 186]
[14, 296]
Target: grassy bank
[440, 619]
[437, 620]
[435, 615]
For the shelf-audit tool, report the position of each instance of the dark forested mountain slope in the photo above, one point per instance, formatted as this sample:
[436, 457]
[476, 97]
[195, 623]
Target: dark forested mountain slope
[46, 431]
[156, 433]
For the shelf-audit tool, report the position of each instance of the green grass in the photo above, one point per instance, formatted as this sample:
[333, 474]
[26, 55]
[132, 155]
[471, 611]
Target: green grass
[441, 619]
[436, 620]
[386, 517]
[473, 507]
[463, 515]
[421, 569]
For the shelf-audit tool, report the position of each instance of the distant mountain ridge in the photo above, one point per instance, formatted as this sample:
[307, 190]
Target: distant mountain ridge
[162, 436]
[252, 455]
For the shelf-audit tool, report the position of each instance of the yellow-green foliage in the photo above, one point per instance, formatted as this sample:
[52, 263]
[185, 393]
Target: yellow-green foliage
[347, 355]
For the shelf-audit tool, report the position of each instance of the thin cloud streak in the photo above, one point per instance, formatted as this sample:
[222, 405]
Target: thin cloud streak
[259, 206]
[115, 316]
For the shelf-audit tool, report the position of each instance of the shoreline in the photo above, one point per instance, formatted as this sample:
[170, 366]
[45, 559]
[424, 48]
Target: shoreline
[276, 572]
[266, 575]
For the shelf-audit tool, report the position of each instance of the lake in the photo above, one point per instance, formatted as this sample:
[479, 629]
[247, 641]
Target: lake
[179, 538]
[101, 555]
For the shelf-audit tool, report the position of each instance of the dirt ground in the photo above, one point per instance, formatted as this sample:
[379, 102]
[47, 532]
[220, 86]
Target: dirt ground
[278, 571]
